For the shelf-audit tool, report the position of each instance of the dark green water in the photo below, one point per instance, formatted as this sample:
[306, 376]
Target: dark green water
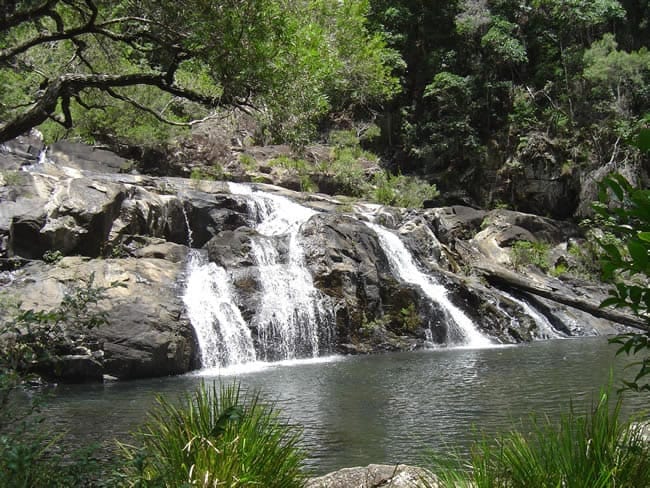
[379, 409]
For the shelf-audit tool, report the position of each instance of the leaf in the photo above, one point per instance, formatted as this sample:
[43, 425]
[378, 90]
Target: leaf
[644, 236]
[231, 414]
[643, 140]
[639, 253]
[613, 185]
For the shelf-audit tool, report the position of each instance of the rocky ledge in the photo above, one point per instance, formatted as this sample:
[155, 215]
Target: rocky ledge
[139, 230]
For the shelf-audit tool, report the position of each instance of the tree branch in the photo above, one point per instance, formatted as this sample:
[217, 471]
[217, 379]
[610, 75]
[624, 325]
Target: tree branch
[70, 85]
[17, 18]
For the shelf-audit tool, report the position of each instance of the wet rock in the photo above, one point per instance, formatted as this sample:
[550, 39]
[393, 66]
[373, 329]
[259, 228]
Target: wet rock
[231, 249]
[21, 151]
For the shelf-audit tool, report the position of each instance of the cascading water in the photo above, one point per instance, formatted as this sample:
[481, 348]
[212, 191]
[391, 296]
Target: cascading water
[223, 336]
[294, 318]
[403, 266]
[546, 329]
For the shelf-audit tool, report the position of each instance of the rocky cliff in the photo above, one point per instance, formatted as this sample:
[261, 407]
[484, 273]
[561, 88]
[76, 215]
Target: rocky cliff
[80, 204]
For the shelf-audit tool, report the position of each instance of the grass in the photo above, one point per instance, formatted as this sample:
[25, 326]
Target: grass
[218, 437]
[596, 450]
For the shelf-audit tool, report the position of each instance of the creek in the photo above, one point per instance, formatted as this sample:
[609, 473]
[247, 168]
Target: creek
[384, 408]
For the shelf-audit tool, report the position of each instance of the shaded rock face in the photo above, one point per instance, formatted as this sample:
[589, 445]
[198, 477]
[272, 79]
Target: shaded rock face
[147, 335]
[348, 264]
[140, 229]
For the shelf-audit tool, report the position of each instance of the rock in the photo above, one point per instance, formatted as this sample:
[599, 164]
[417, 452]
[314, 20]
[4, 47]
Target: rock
[457, 222]
[22, 151]
[148, 333]
[209, 214]
[87, 158]
[79, 368]
[231, 249]
[375, 476]
[374, 310]
[176, 253]
[537, 178]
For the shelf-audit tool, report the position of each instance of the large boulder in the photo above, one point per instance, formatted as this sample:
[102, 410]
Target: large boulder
[147, 334]
[87, 158]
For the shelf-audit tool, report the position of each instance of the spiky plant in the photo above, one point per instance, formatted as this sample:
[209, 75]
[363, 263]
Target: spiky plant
[597, 450]
[217, 437]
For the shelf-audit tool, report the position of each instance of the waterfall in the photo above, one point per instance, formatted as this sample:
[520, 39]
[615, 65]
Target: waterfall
[294, 318]
[546, 329]
[403, 266]
[223, 336]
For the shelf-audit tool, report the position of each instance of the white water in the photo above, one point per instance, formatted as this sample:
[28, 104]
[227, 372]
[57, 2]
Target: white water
[257, 366]
[293, 315]
[546, 329]
[223, 336]
[293, 319]
[403, 266]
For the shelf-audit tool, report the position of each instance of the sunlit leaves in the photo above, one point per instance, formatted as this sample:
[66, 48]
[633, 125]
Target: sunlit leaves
[626, 211]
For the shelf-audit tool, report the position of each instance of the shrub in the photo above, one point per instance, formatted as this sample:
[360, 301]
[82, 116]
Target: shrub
[216, 438]
[247, 161]
[402, 191]
[524, 253]
[597, 450]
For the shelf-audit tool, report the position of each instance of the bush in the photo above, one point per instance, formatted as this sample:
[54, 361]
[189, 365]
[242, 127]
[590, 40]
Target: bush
[402, 191]
[27, 461]
[217, 438]
[524, 253]
[590, 451]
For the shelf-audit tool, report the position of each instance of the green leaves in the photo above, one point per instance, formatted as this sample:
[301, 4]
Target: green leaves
[216, 437]
[626, 213]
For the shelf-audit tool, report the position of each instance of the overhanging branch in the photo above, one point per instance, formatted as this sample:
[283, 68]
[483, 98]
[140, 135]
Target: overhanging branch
[71, 85]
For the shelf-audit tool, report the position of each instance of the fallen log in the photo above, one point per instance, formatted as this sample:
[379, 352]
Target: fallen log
[499, 276]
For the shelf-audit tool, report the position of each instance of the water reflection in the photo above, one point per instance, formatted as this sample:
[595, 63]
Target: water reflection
[384, 408]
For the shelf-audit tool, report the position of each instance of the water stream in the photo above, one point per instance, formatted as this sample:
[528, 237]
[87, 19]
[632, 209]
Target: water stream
[402, 264]
[544, 326]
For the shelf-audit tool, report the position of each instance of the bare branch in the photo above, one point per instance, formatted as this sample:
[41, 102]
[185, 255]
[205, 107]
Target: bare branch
[146, 109]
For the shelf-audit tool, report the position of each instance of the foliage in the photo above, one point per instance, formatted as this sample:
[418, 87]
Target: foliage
[401, 190]
[594, 450]
[32, 338]
[248, 161]
[52, 257]
[27, 461]
[626, 211]
[409, 318]
[217, 437]
[137, 70]
[207, 173]
[525, 253]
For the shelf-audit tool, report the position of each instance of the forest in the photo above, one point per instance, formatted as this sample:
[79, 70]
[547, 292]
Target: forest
[482, 98]
[531, 118]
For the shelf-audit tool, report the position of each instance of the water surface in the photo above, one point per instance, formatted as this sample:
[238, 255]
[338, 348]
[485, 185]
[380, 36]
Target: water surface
[385, 408]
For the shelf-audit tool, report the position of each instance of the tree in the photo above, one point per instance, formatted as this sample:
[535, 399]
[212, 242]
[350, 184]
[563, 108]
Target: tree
[168, 59]
[626, 211]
